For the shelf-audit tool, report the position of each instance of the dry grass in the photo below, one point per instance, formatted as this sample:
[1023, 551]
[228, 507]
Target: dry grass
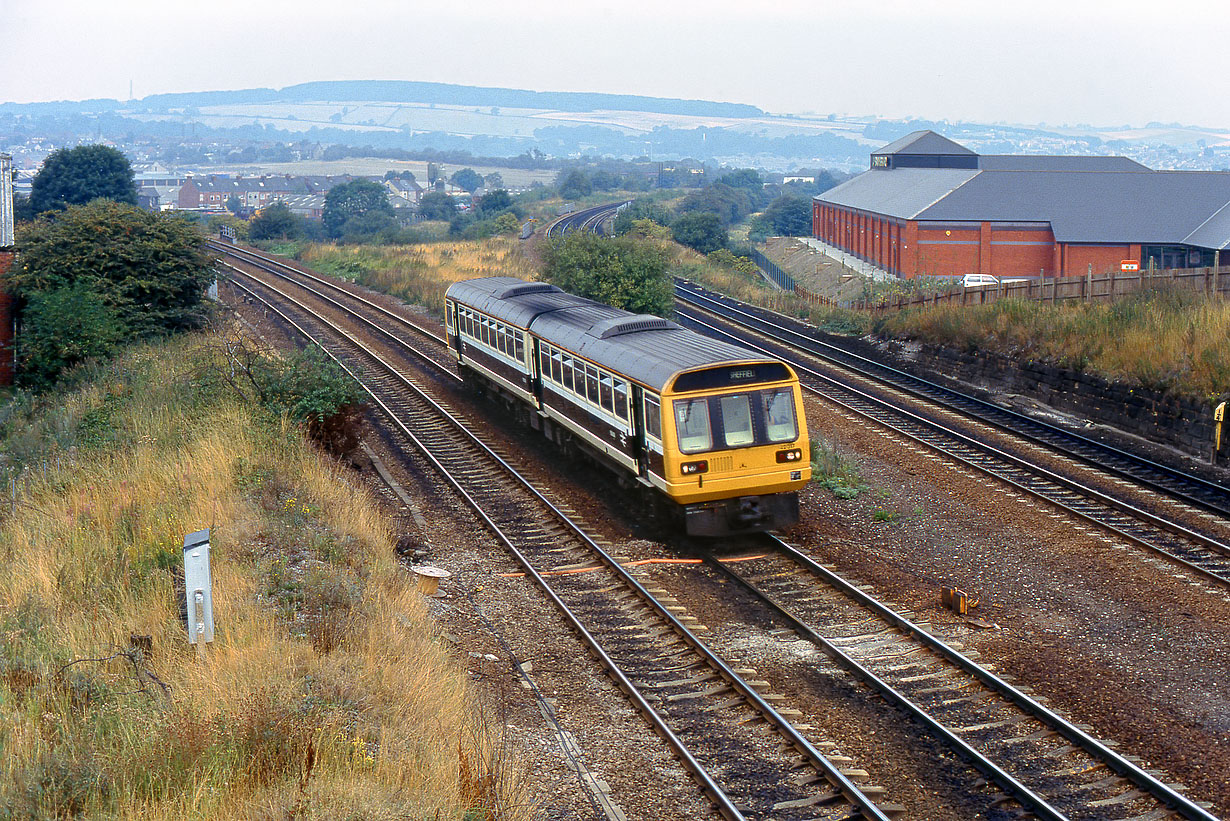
[326, 692]
[420, 274]
[1160, 339]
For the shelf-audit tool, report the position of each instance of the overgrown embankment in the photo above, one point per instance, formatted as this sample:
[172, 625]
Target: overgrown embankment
[1167, 341]
[326, 692]
[416, 274]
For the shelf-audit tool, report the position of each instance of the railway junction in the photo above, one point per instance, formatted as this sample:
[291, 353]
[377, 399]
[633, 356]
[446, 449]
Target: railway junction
[817, 676]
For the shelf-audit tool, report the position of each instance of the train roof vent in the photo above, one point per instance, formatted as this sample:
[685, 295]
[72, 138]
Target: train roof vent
[631, 324]
[522, 288]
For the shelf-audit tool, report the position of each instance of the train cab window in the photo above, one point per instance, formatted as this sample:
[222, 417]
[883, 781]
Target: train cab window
[779, 415]
[736, 420]
[692, 425]
[621, 399]
[449, 321]
[519, 341]
[606, 394]
[653, 417]
[556, 375]
[591, 383]
[568, 366]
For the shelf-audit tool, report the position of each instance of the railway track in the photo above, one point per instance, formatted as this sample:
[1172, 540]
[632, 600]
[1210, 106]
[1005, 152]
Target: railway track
[1202, 553]
[1182, 486]
[1051, 766]
[587, 220]
[700, 705]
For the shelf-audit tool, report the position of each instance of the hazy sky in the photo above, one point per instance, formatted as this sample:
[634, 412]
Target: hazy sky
[1085, 61]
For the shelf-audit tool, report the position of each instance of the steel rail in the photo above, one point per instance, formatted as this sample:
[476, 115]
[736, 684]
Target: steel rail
[264, 261]
[839, 780]
[1123, 507]
[1005, 780]
[1074, 734]
[374, 326]
[984, 412]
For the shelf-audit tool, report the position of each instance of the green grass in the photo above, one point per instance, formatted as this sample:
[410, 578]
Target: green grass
[1166, 340]
[326, 692]
[832, 470]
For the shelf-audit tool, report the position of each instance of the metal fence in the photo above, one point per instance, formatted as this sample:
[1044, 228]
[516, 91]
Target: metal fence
[773, 271]
[1088, 288]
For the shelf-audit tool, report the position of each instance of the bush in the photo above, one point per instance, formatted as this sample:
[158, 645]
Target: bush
[619, 272]
[700, 230]
[47, 350]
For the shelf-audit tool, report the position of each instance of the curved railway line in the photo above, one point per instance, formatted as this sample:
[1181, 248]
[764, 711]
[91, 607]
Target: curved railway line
[585, 220]
[1200, 550]
[693, 699]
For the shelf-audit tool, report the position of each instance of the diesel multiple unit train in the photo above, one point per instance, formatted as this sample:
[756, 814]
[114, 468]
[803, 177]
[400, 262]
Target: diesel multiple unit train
[715, 429]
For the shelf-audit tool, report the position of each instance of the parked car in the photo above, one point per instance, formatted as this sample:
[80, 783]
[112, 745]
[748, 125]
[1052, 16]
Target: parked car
[978, 280]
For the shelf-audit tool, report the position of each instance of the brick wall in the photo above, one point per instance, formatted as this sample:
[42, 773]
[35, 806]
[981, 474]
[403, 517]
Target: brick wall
[7, 363]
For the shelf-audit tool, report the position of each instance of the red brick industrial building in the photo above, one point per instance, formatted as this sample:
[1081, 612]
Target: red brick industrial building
[930, 206]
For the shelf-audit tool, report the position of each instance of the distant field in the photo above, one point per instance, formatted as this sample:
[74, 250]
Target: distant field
[373, 166]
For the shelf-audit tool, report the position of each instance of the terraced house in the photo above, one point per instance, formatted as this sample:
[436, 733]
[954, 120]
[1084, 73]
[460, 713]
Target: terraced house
[930, 206]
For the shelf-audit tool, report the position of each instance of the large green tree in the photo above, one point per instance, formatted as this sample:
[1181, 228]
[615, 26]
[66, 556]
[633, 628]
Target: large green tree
[149, 269]
[75, 176]
[789, 216]
[467, 178]
[276, 221]
[575, 184]
[701, 230]
[436, 205]
[349, 200]
[618, 271]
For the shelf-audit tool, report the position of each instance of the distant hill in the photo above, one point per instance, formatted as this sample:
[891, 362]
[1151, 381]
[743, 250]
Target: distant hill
[400, 91]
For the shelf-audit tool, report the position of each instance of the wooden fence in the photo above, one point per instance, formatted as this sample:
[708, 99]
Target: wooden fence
[1091, 287]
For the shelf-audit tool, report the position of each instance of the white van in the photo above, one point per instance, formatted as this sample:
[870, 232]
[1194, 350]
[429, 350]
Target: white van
[978, 280]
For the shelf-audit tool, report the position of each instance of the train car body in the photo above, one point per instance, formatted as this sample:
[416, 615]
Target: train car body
[716, 429]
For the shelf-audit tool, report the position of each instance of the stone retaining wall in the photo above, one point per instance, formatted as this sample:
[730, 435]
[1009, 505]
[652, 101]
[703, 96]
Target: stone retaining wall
[1181, 422]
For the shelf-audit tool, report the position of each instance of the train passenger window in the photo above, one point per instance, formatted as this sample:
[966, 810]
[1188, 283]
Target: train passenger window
[591, 383]
[520, 344]
[556, 376]
[499, 337]
[779, 415]
[621, 399]
[568, 366]
[606, 394]
[692, 425]
[653, 417]
[487, 332]
[544, 360]
[736, 420]
[578, 374]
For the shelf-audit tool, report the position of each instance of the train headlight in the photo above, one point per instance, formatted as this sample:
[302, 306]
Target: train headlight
[691, 468]
[784, 456]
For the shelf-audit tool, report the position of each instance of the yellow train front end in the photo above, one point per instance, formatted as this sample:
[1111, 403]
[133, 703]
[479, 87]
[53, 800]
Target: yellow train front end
[735, 456]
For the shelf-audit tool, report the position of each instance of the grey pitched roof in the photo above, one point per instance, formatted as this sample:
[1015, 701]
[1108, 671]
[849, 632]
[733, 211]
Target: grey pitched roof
[1213, 232]
[1099, 205]
[901, 193]
[923, 142]
[1057, 162]
[1083, 206]
[644, 348]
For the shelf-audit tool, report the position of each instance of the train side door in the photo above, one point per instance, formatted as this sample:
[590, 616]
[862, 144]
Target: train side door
[640, 447]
